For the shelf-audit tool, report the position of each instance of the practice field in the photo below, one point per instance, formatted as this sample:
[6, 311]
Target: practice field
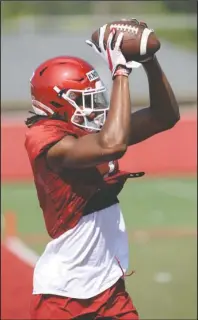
[161, 218]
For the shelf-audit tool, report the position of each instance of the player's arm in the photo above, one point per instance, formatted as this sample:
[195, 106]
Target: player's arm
[112, 141]
[109, 144]
[163, 112]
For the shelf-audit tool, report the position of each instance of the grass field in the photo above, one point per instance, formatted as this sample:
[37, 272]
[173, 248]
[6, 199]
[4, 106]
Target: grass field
[161, 220]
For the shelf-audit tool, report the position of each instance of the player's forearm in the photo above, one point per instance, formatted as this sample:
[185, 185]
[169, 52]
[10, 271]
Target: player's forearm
[162, 99]
[117, 126]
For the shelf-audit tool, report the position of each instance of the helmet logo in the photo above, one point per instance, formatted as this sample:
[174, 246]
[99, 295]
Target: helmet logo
[92, 75]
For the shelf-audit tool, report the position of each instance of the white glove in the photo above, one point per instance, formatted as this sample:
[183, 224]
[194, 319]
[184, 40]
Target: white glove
[99, 49]
[113, 57]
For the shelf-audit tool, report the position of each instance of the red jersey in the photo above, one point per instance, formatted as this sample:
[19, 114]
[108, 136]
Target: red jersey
[65, 197]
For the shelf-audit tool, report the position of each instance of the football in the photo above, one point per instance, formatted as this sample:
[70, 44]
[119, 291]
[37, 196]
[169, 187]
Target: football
[138, 43]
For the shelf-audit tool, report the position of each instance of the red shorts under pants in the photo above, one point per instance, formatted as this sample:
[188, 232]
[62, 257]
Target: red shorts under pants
[113, 303]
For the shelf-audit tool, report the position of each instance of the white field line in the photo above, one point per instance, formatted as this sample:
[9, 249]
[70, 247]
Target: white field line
[21, 250]
[175, 189]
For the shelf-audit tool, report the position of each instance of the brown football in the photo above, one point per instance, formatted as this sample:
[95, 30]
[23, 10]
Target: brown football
[138, 42]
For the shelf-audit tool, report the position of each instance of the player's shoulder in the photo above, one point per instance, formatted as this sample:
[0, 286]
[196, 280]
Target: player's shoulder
[48, 128]
[43, 134]
[45, 125]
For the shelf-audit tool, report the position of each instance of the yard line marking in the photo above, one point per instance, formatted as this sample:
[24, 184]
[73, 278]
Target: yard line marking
[21, 250]
[143, 236]
[163, 277]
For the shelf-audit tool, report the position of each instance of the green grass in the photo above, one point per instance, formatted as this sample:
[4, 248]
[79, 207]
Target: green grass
[147, 204]
[169, 300]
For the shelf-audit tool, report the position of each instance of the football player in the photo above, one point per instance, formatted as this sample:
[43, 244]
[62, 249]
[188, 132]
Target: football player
[74, 141]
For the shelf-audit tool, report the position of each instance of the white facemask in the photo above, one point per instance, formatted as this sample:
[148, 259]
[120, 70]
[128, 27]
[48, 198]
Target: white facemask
[89, 101]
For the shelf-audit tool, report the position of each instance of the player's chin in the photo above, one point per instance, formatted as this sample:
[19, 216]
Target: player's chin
[80, 119]
[93, 124]
[93, 115]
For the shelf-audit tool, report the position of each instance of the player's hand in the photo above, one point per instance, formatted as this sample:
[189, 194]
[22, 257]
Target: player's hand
[116, 60]
[113, 56]
[99, 49]
[153, 56]
[144, 24]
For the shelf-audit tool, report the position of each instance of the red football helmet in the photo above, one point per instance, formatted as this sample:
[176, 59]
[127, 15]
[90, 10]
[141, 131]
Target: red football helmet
[70, 87]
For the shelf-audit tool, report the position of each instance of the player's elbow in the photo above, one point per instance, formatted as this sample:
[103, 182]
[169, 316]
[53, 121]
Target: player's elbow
[115, 147]
[172, 121]
[115, 152]
[168, 122]
[173, 117]
[119, 151]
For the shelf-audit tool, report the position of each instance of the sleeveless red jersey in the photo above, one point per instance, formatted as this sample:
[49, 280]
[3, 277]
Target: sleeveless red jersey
[64, 198]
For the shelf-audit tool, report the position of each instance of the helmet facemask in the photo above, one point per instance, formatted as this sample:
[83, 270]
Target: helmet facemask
[91, 106]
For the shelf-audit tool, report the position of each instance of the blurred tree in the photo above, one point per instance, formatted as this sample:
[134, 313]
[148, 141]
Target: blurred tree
[11, 9]
[187, 6]
[129, 8]
[64, 7]
[101, 7]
